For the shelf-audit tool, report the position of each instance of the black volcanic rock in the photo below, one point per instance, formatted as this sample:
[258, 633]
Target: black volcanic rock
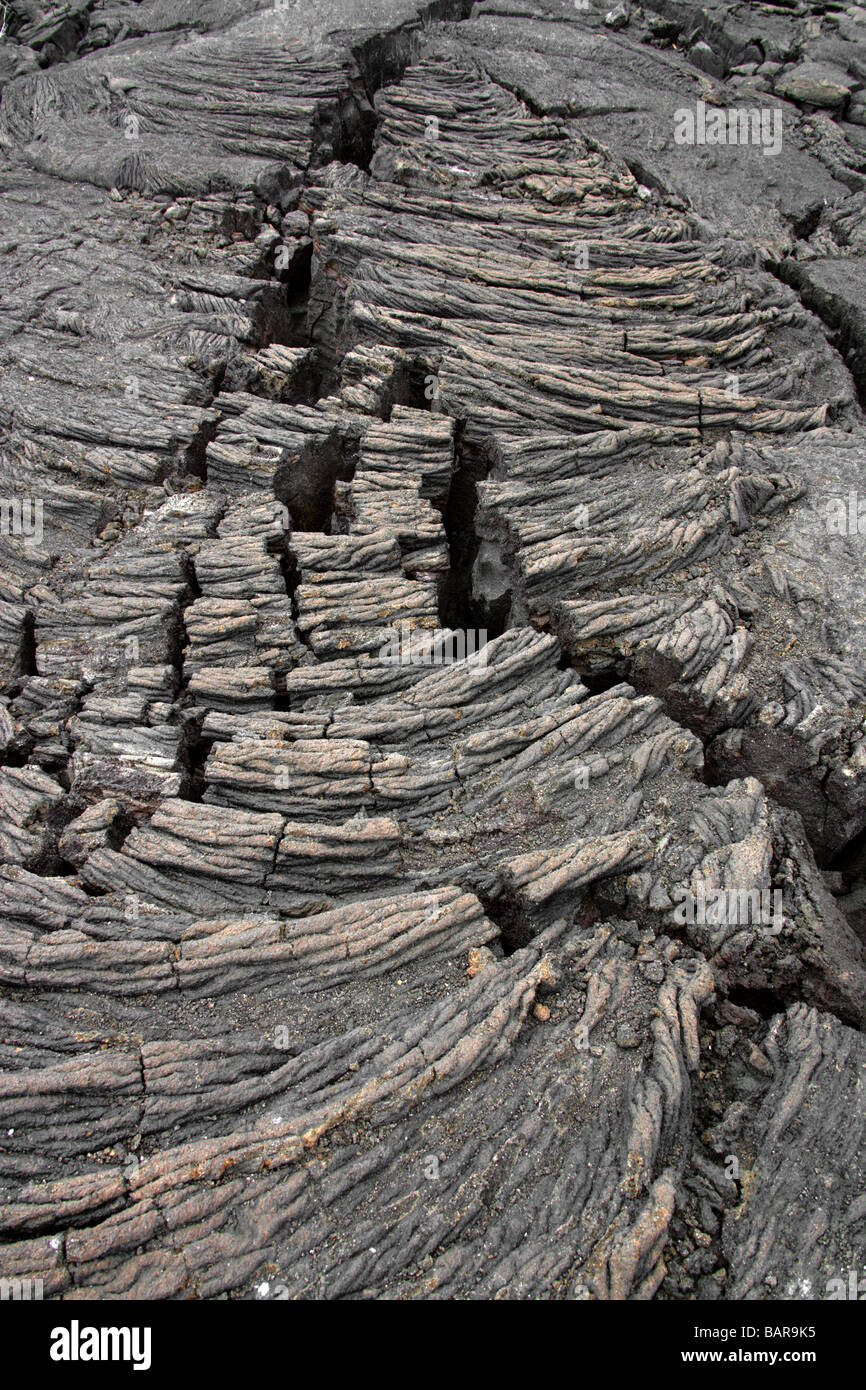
[432, 700]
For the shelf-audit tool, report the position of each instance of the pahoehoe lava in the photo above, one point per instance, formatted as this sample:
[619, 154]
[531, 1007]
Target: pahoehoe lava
[432, 700]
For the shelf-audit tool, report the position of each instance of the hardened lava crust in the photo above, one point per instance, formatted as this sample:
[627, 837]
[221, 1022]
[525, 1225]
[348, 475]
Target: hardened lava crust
[432, 607]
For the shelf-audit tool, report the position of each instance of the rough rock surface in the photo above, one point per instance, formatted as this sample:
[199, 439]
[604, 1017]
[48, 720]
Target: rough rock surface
[432, 705]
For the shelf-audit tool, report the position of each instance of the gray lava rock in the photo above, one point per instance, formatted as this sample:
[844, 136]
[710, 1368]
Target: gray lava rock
[431, 685]
[815, 84]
